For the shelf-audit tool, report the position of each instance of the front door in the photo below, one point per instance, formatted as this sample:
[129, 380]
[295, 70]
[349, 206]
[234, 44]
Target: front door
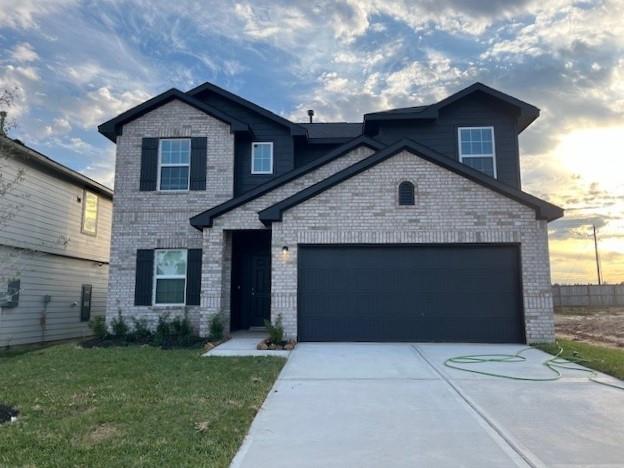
[251, 278]
[260, 303]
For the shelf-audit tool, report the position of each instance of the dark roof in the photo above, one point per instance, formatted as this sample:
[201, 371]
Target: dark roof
[543, 209]
[205, 219]
[295, 129]
[53, 167]
[332, 130]
[528, 112]
[113, 127]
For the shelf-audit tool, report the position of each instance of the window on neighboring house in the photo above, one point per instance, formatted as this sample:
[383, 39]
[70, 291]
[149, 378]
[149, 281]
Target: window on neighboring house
[174, 164]
[89, 213]
[170, 276]
[476, 149]
[262, 158]
[85, 303]
[406, 193]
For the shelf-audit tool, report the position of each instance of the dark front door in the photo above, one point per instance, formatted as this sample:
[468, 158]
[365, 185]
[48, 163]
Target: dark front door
[251, 278]
[460, 293]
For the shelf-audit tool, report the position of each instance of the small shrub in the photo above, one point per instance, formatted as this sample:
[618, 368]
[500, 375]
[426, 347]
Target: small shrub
[98, 326]
[141, 332]
[119, 327]
[276, 330]
[163, 330]
[181, 331]
[216, 328]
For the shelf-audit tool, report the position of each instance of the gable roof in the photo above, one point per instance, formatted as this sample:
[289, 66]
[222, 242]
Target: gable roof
[295, 129]
[50, 166]
[206, 218]
[112, 128]
[528, 112]
[543, 209]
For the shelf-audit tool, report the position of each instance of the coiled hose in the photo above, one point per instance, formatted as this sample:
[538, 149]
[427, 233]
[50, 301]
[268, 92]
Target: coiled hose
[554, 364]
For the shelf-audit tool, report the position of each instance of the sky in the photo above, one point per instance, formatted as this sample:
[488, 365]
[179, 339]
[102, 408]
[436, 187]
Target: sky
[75, 64]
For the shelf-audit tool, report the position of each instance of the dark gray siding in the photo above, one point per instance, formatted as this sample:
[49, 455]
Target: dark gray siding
[264, 129]
[305, 153]
[472, 111]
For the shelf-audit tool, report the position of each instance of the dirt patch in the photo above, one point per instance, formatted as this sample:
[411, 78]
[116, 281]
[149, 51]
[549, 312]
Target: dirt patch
[101, 433]
[7, 413]
[595, 325]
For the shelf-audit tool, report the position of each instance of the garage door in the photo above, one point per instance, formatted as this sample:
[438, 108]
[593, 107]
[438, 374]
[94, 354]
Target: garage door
[468, 293]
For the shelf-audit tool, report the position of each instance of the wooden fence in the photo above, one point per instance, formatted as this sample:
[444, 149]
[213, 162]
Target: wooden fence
[590, 295]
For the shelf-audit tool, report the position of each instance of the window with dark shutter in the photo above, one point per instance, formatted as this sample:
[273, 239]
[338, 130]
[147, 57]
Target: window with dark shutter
[85, 303]
[149, 164]
[406, 193]
[144, 277]
[198, 163]
[193, 276]
[12, 294]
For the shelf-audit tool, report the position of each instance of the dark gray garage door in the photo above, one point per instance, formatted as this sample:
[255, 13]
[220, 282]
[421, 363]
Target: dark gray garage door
[468, 293]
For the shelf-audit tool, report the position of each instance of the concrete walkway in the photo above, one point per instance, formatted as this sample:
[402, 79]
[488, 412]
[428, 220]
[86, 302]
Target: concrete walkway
[243, 343]
[372, 405]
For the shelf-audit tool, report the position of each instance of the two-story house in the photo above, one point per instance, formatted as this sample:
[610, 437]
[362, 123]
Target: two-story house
[408, 226]
[55, 227]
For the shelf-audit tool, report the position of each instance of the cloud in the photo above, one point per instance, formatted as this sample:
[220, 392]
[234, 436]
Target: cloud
[25, 14]
[24, 52]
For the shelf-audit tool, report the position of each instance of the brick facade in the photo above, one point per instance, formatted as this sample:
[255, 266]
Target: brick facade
[362, 209]
[150, 220]
[449, 209]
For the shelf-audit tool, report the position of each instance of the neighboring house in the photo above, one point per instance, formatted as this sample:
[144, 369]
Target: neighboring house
[54, 247]
[407, 226]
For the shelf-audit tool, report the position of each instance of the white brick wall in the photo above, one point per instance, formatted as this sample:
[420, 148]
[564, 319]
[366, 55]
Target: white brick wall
[148, 220]
[449, 209]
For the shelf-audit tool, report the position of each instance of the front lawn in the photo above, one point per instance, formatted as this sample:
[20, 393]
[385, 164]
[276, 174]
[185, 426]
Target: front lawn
[131, 406]
[601, 358]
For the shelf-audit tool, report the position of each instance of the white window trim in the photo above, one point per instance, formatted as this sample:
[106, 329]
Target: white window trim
[84, 211]
[467, 156]
[160, 165]
[270, 143]
[156, 277]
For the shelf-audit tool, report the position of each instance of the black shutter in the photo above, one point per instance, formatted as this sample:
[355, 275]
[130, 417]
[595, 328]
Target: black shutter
[406, 193]
[85, 303]
[149, 164]
[144, 277]
[198, 163]
[193, 276]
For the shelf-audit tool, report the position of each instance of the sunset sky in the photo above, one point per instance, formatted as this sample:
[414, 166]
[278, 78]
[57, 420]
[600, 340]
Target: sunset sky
[76, 64]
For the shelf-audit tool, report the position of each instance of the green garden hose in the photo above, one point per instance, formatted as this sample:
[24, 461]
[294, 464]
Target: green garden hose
[554, 364]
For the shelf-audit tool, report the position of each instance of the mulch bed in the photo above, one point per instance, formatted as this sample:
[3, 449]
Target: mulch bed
[7, 412]
[266, 344]
[169, 342]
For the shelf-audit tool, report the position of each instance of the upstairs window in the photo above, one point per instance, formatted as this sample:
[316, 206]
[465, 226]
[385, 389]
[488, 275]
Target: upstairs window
[89, 213]
[476, 149]
[262, 157]
[406, 193]
[174, 161]
[170, 277]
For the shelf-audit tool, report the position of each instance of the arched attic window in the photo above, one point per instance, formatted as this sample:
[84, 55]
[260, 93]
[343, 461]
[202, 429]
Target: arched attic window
[406, 193]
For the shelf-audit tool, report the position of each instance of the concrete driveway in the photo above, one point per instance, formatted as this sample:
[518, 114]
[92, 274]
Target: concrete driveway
[397, 405]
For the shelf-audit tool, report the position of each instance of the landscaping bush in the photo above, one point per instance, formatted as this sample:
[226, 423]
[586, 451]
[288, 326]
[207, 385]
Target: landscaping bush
[276, 330]
[141, 332]
[119, 327]
[216, 330]
[98, 326]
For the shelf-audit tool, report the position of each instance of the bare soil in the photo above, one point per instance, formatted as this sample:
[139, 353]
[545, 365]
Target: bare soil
[600, 325]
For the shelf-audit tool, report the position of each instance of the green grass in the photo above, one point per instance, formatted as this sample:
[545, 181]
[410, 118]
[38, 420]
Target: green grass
[133, 406]
[601, 358]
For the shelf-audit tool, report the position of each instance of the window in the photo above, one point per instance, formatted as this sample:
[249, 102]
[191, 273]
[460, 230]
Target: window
[174, 164]
[170, 277]
[89, 213]
[85, 303]
[406, 193]
[262, 158]
[476, 149]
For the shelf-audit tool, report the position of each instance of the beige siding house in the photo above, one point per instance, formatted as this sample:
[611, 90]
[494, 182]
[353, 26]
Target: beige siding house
[55, 227]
